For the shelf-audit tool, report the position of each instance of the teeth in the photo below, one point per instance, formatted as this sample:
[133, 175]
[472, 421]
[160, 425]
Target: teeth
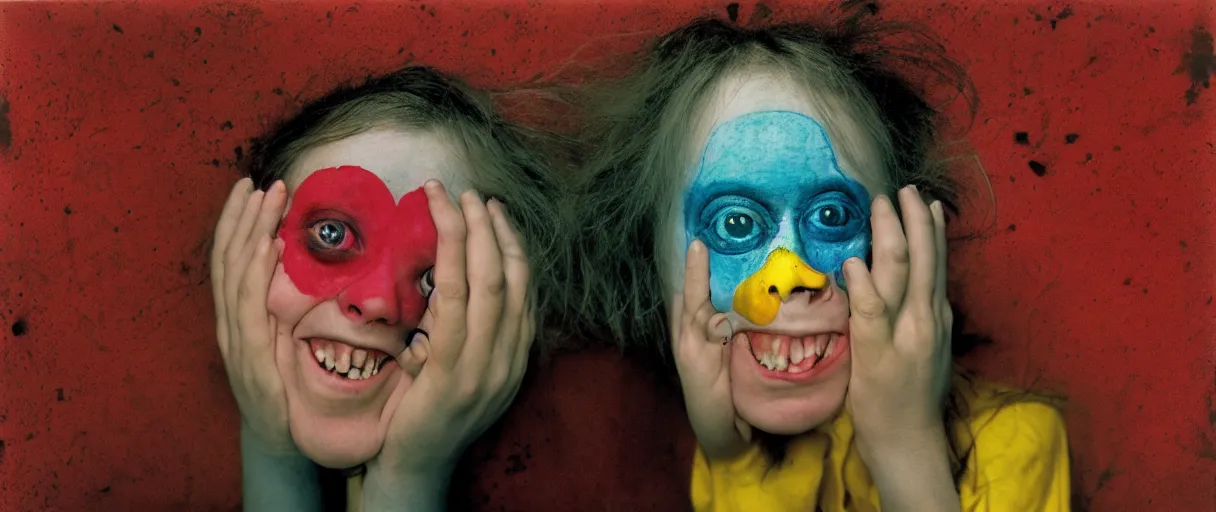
[354, 375]
[796, 351]
[367, 372]
[320, 356]
[782, 362]
[344, 363]
[821, 342]
[358, 357]
[831, 343]
[776, 345]
[329, 358]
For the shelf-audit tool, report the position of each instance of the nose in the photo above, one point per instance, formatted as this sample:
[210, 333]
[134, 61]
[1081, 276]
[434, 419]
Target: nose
[783, 274]
[373, 298]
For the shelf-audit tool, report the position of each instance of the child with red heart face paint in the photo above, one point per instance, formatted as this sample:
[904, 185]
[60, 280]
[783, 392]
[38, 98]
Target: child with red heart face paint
[373, 322]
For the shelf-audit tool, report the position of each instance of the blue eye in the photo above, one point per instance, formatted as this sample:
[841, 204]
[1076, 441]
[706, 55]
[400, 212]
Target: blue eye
[736, 226]
[832, 217]
[733, 225]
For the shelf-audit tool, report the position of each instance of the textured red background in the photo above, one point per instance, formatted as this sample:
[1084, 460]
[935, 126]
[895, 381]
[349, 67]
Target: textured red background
[121, 125]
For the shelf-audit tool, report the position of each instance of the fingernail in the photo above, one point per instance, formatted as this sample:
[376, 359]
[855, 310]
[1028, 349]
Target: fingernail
[695, 246]
[431, 185]
[912, 188]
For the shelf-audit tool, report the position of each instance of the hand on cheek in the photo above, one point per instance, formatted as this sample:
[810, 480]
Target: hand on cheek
[700, 344]
[474, 341]
[900, 328]
[243, 261]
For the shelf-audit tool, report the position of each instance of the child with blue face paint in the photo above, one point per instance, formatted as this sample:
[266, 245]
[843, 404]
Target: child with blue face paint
[776, 193]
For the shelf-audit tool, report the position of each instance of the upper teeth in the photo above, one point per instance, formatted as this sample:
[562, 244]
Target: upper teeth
[355, 365]
[788, 353]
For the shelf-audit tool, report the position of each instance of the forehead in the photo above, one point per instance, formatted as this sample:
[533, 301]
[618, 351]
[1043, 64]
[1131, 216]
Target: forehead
[402, 159]
[752, 89]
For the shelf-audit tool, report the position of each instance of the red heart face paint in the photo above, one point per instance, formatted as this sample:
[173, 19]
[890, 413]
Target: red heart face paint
[346, 237]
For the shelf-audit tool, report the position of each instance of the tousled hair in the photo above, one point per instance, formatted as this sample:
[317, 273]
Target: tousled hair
[504, 160]
[886, 77]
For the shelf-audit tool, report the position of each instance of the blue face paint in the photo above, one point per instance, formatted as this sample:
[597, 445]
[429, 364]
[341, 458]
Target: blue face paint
[770, 180]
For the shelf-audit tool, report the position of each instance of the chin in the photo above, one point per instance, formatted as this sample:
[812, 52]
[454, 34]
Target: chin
[337, 443]
[790, 415]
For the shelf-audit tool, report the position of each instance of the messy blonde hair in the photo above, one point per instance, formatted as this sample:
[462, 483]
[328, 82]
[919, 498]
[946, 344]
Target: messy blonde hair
[638, 136]
[881, 75]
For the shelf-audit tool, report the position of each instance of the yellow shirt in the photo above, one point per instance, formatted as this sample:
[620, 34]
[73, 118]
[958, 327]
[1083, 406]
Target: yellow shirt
[1019, 463]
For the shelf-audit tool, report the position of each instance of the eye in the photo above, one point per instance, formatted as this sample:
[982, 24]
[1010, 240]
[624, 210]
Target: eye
[332, 235]
[832, 215]
[734, 225]
[426, 284]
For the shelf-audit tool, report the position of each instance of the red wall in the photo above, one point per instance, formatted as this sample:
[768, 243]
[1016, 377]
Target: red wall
[121, 124]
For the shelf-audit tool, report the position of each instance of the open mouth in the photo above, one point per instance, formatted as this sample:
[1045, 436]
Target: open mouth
[345, 361]
[794, 355]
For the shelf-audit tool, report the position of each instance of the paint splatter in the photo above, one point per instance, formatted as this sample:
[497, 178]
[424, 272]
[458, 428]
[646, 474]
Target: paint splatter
[6, 134]
[19, 328]
[1022, 138]
[1198, 63]
[1039, 169]
[1071, 138]
[732, 11]
[1064, 14]
[117, 28]
[59, 395]
[760, 13]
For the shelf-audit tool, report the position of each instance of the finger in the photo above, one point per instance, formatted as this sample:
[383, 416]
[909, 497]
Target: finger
[486, 286]
[675, 317]
[696, 277]
[719, 328]
[222, 237]
[519, 313]
[890, 250]
[922, 249]
[449, 300]
[233, 207]
[254, 324]
[271, 213]
[235, 256]
[526, 337]
[869, 326]
[939, 235]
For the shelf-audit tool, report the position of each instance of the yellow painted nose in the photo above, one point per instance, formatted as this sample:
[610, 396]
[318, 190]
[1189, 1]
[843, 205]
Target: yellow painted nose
[759, 297]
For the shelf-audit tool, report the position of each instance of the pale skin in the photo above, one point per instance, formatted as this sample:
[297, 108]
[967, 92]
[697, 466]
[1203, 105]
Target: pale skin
[899, 316]
[467, 372]
[900, 326]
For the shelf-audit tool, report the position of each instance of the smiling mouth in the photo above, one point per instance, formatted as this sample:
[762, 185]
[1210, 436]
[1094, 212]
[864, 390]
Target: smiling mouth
[791, 354]
[342, 360]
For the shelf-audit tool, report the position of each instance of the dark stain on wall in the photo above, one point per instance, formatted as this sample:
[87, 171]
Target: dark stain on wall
[19, 327]
[1198, 63]
[732, 11]
[1038, 168]
[6, 133]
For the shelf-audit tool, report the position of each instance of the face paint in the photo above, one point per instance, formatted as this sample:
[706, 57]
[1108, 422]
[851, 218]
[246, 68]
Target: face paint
[770, 202]
[345, 236]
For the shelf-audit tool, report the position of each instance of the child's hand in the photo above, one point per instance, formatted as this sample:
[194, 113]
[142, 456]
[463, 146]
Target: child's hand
[900, 328]
[242, 263]
[479, 328]
[700, 342]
